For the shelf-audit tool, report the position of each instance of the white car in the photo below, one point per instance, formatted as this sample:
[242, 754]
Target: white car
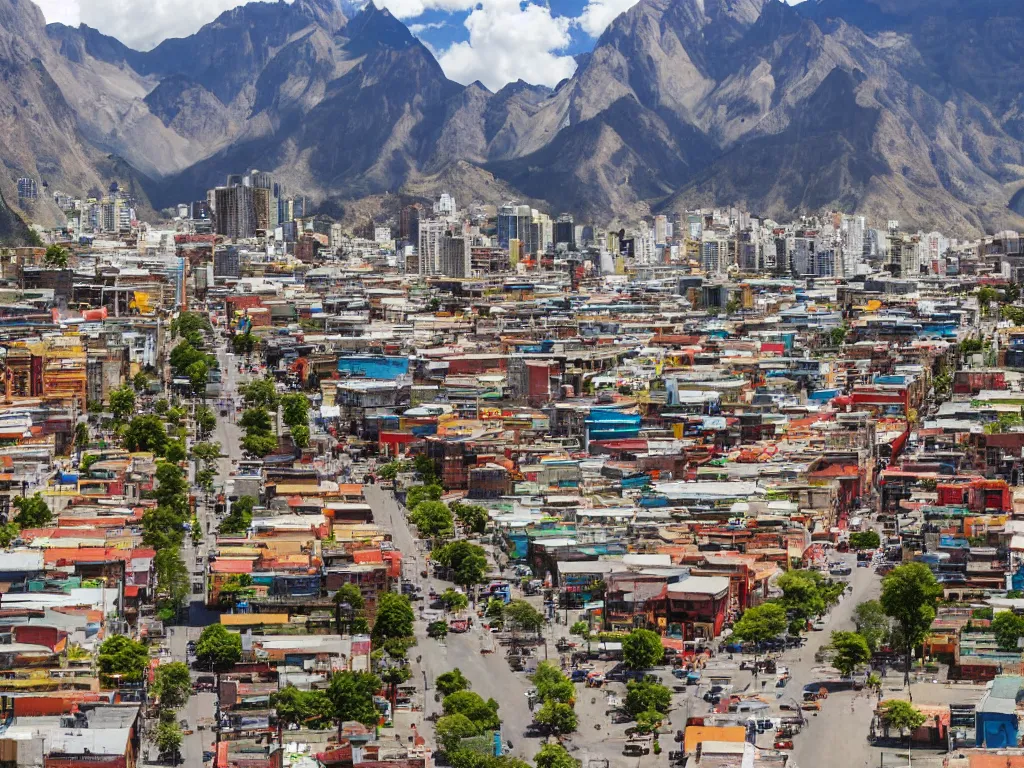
[818, 625]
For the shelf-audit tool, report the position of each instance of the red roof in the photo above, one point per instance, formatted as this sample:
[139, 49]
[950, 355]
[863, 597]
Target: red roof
[367, 556]
[131, 590]
[231, 566]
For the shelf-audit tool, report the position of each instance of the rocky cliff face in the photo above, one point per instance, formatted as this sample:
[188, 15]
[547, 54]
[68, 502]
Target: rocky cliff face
[911, 110]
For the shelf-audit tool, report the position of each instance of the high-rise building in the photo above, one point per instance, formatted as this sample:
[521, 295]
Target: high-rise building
[442, 251]
[565, 231]
[455, 257]
[445, 206]
[514, 224]
[661, 229]
[27, 189]
[542, 230]
[234, 212]
[267, 205]
[852, 229]
[409, 223]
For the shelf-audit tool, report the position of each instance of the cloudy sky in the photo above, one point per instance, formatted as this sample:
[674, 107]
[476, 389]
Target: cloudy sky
[493, 41]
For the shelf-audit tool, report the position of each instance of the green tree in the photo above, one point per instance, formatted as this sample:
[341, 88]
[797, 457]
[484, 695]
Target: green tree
[555, 756]
[169, 738]
[175, 451]
[452, 729]
[146, 433]
[391, 470]
[484, 714]
[239, 518]
[162, 528]
[352, 695]
[349, 595]
[472, 516]
[454, 601]
[468, 562]
[122, 659]
[81, 435]
[581, 629]
[802, 593]
[1008, 628]
[206, 421]
[837, 336]
[437, 629]
[393, 677]
[198, 373]
[645, 696]
[909, 594]
[561, 718]
[295, 410]
[872, 623]
[520, 615]
[902, 716]
[418, 493]
[244, 343]
[261, 393]
[218, 647]
[190, 324]
[425, 467]
[307, 709]
[8, 533]
[850, 651]
[986, 295]
[183, 355]
[57, 256]
[394, 617]
[208, 453]
[172, 579]
[865, 540]
[448, 683]
[172, 683]
[171, 484]
[259, 445]
[256, 421]
[642, 649]
[140, 382]
[122, 402]
[32, 511]
[300, 436]
[552, 684]
[432, 519]
[760, 623]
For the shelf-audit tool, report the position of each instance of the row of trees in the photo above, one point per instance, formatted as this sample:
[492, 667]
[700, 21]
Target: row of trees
[188, 357]
[468, 715]
[436, 520]
[901, 618]
[262, 401]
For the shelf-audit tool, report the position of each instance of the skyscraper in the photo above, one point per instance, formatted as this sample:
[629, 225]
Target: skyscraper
[514, 224]
[565, 231]
[234, 211]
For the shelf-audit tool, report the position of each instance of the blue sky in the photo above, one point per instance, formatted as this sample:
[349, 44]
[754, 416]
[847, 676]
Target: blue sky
[493, 41]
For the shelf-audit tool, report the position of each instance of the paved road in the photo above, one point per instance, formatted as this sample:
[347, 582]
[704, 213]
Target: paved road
[202, 706]
[489, 674]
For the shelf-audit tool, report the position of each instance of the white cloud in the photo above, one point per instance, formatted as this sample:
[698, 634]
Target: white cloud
[509, 41]
[598, 14]
[60, 11]
[418, 29]
[139, 24]
[411, 9]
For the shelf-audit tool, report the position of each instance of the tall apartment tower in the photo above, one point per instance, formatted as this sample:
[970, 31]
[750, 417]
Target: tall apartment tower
[565, 231]
[234, 212]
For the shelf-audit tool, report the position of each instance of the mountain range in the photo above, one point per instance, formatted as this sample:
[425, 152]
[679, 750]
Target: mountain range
[899, 109]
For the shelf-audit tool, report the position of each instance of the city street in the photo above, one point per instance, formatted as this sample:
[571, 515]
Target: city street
[201, 707]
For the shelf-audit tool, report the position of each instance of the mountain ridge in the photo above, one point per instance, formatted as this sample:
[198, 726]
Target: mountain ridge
[681, 102]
